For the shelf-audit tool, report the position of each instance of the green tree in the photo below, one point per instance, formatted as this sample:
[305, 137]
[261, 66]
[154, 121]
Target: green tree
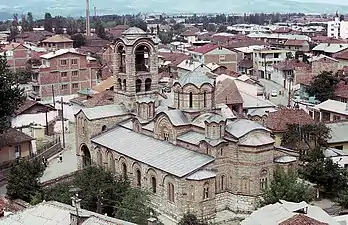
[23, 182]
[79, 40]
[323, 86]
[342, 199]
[30, 21]
[178, 28]
[100, 29]
[11, 96]
[286, 186]
[59, 25]
[191, 219]
[210, 27]
[48, 22]
[138, 22]
[24, 23]
[165, 37]
[14, 27]
[222, 28]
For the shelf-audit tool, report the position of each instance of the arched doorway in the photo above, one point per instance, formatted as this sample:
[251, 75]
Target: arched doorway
[121, 57]
[142, 55]
[86, 156]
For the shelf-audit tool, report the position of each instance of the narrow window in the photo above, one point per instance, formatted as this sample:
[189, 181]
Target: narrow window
[222, 182]
[206, 191]
[124, 170]
[138, 178]
[205, 99]
[191, 100]
[170, 192]
[153, 184]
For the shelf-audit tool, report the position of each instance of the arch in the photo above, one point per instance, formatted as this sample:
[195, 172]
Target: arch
[222, 182]
[111, 163]
[206, 193]
[138, 177]
[192, 192]
[263, 179]
[121, 58]
[86, 156]
[104, 128]
[119, 84]
[204, 99]
[154, 184]
[99, 157]
[170, 192]
[143, 42]
[124, 85]
[190, 100]
[140, 52]
[124, 170]
[138, 85]
[148, 84]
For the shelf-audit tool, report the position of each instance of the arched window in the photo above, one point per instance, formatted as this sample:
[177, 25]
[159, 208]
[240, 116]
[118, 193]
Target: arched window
[124, 170]
[138, 177]
[99, 158]
[142, 56]
[263, 179]
[138, 85]
[178, 100]
[153, 184]
[121, 59]
[86, 156]
[124, 85]
[104, 128]
[111, 163]
[119, 84]
[205, 99]
[222, 182]
[206, 191]
[170, 192]
[191, 100]
[148, 84]
[192, 193]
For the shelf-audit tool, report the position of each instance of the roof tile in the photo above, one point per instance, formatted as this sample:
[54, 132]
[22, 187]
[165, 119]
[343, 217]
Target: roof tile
[301, 219]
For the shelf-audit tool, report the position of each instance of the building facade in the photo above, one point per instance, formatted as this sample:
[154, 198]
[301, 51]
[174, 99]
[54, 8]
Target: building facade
[184, 151]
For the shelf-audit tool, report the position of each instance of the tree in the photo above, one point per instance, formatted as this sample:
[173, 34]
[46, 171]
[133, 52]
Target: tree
[23, 182]
[30, 21]
[59, 25]
[222, 28]
[138, 22]
[323, 86]
[11, 96]
[210, 27]
[342, 199]
[178, 28]
[286, 186]
[79, 40]
[99, 29]
[14, 27]
[165, 37]
[24, 23]
[48, 22]
[191, 219]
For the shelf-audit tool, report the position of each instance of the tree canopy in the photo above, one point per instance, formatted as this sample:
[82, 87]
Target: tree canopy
[11, 96]
[79, 40]
[286, 186]
[23, 182]
[48, 22]
[191, 219]
[323, 86]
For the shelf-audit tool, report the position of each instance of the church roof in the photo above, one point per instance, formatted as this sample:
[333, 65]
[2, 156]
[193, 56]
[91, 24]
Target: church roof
[215, 118]
[241, 127]
[156, 153]
[201, 175]
[196, 78]
[104, 111]
[133, 31]
[176, 117]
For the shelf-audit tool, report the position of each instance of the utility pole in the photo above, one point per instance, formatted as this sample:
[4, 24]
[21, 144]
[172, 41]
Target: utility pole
[289, 92]
[100, 202]
[63, 128]
[54, 100]
[46, 121]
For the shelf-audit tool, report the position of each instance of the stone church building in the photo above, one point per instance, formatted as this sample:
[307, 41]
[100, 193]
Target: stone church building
[180, 145]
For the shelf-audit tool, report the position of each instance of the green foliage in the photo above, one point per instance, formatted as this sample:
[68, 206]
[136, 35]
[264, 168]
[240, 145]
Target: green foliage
[178, 28]
[286, 186]
[306, 137]
[23, 182]
[191, 219]
[323, 86]
[59, 192]
[210, 27]
[165, 37]
[11, 96]
[138, 22]
[342, 199]
[222, 28]
[48, 22]
[79, 40]
[99, 29]
[14, 27]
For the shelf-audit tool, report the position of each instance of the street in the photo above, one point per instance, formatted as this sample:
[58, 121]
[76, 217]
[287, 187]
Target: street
[270, 86]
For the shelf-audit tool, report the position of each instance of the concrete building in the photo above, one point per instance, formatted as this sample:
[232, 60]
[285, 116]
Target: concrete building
[333, 28]
[338, 131]
[65, 72]
[183, 149]
[330, 110]
[57, 42]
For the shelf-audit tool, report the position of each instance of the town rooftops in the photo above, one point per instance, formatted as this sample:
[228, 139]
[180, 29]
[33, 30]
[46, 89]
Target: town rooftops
[295, 42]
[249, 49]
[205, 48]
[228, 93]
[280, 36]
[301, 219]
[104, 111]
[278, 121]
[333, 106]
[330, 48]
[13, 137]
[338, 132]
[291, 65]
[27, 104]
[341, 55]
[322, 57]
[60, 52]
[58, 38]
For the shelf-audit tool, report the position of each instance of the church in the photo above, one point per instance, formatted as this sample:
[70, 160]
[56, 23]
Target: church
[180, 146]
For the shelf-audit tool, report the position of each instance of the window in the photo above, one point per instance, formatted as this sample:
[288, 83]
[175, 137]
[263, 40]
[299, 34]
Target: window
[276, 55]
[192, 193]
[104, 127]
[64, 87]
[222, 57]
[205, 99]
[340, 147]
[75, 85]
[191, 100]
[75, 73]
[138, 85]
[17, 151]
[166, 135]
[63, 62]
[221, 152]
[335, 117]
[148, 84]
[124, 170]
[263, 179]
[153, 184]
[222, 182]
[124, 85]
[74, 62]
[206, 191]
[170, 192]
[64, 74]
[138, 178]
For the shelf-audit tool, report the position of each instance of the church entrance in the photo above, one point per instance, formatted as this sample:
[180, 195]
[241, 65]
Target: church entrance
[86, 156]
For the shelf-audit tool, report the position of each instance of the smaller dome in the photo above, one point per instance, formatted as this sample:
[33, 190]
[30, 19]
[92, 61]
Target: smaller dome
[134, 31]
[196, 78]
[215, 118]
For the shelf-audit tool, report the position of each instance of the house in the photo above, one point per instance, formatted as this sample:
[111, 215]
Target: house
[297, 45]
[329, 49]
[190, 35]
[341, 91]
[98, 99]
[338, 133]
[342, 58]
[212, 53]
[228, 93]
[216, 68]
[14, 145]
[65, 72]
[245, 58]
[337, 156]
[169, 61]
[330, 110]
[56, 42]
[17, 56]
[289, 213]
[33, 37]
[278, 121]
[53, 212]
[117, 31]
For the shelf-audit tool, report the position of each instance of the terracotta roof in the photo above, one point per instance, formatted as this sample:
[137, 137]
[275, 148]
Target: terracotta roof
[91, 49]
[304, 79]
[106, 72]
[326, 39]
[12, 137]
[277, 121]
[99, 99]
[341, 55]
[230, 73]
[174, 58]
[205, 48]
[228, 93]
[28, 104]
[246, 63]
[11, 46]
[301, 219]
[282, 30]
[105, 84]
[291, 65]
[342, 89]
[188, 33]
[58, 38]
[243, 43]
[295, 42]
[34, 36]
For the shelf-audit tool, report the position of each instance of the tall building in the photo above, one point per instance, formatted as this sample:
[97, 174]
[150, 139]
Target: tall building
[337, 28]
[181, 146]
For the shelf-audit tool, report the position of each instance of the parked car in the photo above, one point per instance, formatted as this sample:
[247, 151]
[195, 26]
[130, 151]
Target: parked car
[274, 93]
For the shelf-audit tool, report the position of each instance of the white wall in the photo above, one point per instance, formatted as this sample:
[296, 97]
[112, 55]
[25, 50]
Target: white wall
[333, 27]
[344, 29]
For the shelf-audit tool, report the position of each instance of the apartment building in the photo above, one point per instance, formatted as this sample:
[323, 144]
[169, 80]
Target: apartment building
[57, 42]
[65, 72]
[337, 28]
[264, 59]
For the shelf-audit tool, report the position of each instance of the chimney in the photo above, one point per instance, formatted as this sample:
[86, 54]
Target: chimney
[88, 27]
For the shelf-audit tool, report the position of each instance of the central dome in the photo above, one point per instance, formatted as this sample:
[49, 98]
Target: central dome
[134, 31]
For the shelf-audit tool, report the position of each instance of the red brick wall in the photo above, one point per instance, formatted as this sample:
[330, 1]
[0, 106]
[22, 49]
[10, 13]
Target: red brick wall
[19, 59]
[324, 65]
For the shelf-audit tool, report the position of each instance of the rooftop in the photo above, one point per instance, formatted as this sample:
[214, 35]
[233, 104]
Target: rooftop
[60, 52]
[330, 48]
[240, 127]
[195, 77]
[58, 38]
[205, 48]
[338, 132]
[104, 111]
[333, 106]
[134, 31]
[13, 137]
[228, 93]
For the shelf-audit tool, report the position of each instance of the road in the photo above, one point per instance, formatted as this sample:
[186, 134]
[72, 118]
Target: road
[270, 86]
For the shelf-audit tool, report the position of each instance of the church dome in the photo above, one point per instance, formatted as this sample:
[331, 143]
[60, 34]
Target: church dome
[196, 78]
[134, 31]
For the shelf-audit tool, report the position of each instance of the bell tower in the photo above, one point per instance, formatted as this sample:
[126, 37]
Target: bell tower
[135, 67]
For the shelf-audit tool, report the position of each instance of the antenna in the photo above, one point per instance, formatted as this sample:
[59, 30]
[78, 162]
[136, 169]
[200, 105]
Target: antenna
[95, 12]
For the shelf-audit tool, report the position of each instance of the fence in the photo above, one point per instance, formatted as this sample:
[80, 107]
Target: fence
[53, 148]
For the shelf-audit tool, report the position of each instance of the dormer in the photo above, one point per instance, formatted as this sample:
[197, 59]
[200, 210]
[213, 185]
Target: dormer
[215, 127]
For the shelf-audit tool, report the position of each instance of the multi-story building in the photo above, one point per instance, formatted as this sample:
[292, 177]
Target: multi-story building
[65, 72]
[57, 42]
[211, 53]
[264, 60]
[333, 27]
[185, 151]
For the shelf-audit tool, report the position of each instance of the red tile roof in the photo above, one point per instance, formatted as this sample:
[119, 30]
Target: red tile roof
[12, 137]
[246, 63]
[174, 58]
[291, 65]
[295, 42]
[342, 89]
[341, 55]
[205, 48]
[99, 99]
[282, 30]
[301, 219]
[188, 33]
[326, 39]
[305, 79]
[30, 103]
[228, 93]
[277, 121]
